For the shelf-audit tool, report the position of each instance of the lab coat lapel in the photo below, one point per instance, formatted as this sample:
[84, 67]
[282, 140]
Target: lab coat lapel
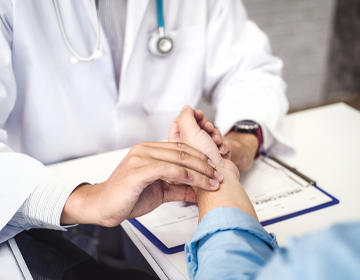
[134, 16]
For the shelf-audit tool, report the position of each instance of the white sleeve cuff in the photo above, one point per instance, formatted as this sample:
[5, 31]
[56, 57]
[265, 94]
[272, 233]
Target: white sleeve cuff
[44, 206]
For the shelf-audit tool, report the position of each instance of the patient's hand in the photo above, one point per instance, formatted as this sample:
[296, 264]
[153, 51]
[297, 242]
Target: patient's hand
[230, 194]
[185, 129]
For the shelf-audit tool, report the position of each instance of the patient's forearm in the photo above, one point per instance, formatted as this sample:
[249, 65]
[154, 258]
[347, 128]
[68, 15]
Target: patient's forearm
[230, 194]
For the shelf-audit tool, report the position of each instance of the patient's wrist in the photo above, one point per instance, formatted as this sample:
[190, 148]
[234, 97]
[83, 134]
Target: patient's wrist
[230, 194]
[228, 166]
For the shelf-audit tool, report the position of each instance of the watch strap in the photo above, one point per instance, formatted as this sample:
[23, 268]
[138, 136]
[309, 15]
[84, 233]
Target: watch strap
[260, 139]
[250, 127]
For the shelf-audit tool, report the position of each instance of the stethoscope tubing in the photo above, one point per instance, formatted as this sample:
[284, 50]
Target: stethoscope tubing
[97, 52]
[157, 39]
[63, 32]
[160, 13]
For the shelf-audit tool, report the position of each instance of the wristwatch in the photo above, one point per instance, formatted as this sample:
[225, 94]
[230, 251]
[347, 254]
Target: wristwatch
[250, 127]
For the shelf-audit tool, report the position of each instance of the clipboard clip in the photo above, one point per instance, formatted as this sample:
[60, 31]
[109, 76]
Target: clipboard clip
[292, 169]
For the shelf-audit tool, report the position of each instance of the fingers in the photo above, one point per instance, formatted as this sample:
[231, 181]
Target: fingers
[179, 147]
[198, 114]
[217, 137]
[215, 134]
[179, 193]
[206, 125]
[186, 120]
[204, 182]
[174, 132]
[172, 172]
[225, 149]
[183, 158]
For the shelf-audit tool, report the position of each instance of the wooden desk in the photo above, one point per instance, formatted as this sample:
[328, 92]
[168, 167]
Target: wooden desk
[327, 143]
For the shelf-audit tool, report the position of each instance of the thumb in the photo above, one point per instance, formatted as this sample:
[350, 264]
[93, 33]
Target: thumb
[186, 121]
[174, 132]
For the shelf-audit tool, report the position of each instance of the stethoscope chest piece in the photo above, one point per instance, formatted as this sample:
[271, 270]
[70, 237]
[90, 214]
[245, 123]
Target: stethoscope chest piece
[160, 45]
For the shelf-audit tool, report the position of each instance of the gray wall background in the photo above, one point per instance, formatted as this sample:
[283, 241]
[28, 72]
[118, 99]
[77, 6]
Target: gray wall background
[299, 32]
[343, 79]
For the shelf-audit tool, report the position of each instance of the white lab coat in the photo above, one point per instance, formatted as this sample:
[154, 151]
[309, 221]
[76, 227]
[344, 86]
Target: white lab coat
[52, 110]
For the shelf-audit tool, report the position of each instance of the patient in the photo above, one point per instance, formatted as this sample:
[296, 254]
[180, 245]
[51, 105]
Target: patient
[230, 243]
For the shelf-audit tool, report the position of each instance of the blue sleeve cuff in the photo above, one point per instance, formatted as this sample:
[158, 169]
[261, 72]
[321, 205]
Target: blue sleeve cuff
[224, 219]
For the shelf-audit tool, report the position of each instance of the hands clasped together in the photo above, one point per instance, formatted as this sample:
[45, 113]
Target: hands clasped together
[183, 169]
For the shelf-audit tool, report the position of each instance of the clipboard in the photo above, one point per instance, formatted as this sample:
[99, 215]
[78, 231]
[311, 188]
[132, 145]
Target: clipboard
[155, 240]
[333, 201]
[302, 212]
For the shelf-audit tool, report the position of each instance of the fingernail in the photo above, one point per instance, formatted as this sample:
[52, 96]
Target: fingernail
[190, 176]
[211, 163]
[209, 123]
[184, 108]
[218, 176]
[218, 137]
[214, 183]
[222, 149]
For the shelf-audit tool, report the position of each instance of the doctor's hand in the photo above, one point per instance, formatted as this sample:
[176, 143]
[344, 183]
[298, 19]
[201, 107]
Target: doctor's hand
[242, 149]
[140, 184]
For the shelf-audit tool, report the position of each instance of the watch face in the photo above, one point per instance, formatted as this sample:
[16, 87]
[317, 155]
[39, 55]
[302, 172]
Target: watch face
[247, 125]
[250, 123]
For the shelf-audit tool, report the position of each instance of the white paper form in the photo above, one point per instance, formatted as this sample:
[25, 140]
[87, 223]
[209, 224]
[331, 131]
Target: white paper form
[172, 223]
[275, 191]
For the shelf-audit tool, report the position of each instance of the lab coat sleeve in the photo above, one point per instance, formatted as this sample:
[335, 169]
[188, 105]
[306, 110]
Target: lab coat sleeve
[7, 79]
[44, 206]
[228, 244]
[242, 78]
[20, 174]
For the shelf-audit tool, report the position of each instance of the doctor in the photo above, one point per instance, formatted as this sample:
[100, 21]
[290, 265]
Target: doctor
[72, 85]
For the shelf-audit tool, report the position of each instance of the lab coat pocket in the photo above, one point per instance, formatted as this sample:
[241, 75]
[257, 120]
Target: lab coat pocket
[176, 80]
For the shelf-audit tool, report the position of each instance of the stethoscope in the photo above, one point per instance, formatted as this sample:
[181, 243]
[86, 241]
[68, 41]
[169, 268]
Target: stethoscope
[160, 44]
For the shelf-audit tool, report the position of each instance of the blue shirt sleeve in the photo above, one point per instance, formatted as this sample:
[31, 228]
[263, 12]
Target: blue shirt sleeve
[332, 253]
[228, 244]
